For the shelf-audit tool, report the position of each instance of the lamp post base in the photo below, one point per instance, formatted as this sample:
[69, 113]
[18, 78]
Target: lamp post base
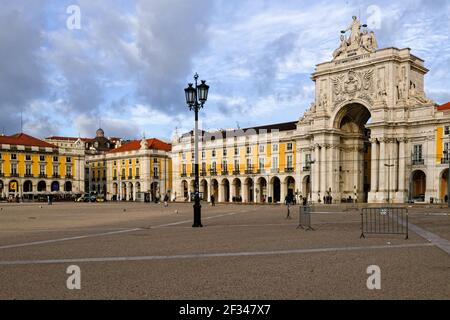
[197, 216]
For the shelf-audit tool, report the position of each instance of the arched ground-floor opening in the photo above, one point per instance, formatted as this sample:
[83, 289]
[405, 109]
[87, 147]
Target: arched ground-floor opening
[215, 190]
[27, 186]
[68, 186]
[237, 192]
[124, 193]
[261, 190]
[204, 190]
[306, 187]
[290, 187]
[2, 187]
[54, 187]
[418, 185]
[225, 194]
[155, 193]
[42, 186]
[443, 185]
[276, 189]
[248, 190]
[185, 190]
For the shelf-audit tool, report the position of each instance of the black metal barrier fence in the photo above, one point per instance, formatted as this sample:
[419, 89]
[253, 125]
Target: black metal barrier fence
[384, 221]
[305, 218]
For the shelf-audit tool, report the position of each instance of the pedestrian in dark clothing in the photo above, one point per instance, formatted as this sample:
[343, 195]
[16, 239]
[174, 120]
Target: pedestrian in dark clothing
[212, 200]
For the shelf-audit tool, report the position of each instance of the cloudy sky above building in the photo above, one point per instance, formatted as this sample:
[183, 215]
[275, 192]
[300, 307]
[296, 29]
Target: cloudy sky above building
[126, 67]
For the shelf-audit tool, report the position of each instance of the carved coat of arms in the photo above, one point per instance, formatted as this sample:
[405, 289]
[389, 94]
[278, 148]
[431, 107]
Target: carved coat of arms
[353, 85]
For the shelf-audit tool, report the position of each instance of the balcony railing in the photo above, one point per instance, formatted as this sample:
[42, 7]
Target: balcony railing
[249, 170]
[16, 175]
[69, 176]
[274, 170]
[213, 172]
[224, 172]
[418, 162]
[137, 177]
[42, 175]
[236, 172]
[192, 174]
[183, 175]
[260, 171]
[28, 175]
[289, 169]
[203, 173]
[156, 177]
[306, 168]
[114, 178]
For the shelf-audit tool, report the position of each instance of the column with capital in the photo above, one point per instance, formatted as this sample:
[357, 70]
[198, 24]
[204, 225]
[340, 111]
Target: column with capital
[402, 170]
[374, 166]
[382, 186]
[323, 170]
[316, 173]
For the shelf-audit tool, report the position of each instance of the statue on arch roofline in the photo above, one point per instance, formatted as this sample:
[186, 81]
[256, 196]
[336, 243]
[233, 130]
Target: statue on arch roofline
[359, 42]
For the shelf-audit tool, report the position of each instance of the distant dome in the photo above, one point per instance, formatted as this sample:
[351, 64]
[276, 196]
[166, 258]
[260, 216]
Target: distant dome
[100, 133]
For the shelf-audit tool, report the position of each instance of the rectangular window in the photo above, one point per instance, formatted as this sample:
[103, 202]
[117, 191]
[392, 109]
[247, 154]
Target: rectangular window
[203, 166]
[446, 149]
[213, 166]
[213, 153]
[203, 154]
[129, 161]
[224, 152]
[27, 157]
[13, 168]
[123, 173]
[41, 158]
[447, 130]
[289, 146]
[417, 156]
[55, 170]
[137, 161]
[13, 156]
[130, 172]
[42, 169]
[236, 165]
[115, 162]
[261, 164]
[68, 170]
[183, 156]
[236, 151]
[261, 148]
[155, 172]
[224, 166]
[183, 169]
[249, 150]
[275, 147]
[28, 169]
[68, 159]
[274, 162]
[55, 159]
[307, 159]
[249, 163]
[289, 161]
[115, 173]
[137, 171]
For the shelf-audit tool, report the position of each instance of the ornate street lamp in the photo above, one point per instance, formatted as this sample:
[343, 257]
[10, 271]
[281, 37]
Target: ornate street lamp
[195, 99]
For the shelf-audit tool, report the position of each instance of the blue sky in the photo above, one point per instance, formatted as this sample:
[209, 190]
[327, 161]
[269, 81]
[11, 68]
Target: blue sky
[127, 66]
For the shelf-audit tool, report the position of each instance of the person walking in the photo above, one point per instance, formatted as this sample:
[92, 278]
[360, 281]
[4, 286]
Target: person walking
[213, 200]
[166, 198]
[287, 202]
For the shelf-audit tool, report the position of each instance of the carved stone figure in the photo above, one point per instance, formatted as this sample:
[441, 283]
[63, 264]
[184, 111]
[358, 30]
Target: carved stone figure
[355, 35]
[342, 48]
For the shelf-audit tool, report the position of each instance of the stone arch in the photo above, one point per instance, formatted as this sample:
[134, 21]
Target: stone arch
[248, 190]
[214, 186]
[204, 189]
[351, 108]
[224, 192]
[13, 186]
[418, 185]
[27, 186]
[443, 181]
[185, 189]
[55, 187]
[236, 195]
[261, 190]
[290, 186]
[68, 186]
[275, 184]
[42, 186]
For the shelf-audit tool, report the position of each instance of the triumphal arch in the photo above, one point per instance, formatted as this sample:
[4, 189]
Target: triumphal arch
[369, 113]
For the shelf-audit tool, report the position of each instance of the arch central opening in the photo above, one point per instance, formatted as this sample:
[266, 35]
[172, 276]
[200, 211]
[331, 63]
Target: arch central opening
[354, 153]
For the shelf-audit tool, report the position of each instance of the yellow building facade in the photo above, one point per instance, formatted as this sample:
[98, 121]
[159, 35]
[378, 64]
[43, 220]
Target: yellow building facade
[30, 168]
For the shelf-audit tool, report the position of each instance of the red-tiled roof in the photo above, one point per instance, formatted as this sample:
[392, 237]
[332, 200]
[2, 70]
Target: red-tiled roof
[69, 139]
[445, 106]
[22, 139]
[136, 145]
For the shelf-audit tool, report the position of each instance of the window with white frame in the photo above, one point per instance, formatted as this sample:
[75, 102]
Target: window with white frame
[417, 153]
[446, 150]
[224, 165]
[261, 164]
[275, 147]
[28, 169]
[249, 150]
[236, 165]
[28, 157]
[249, 163]
[261, 148]
[274, 162]
[183, 169]
[42, 169]
[447, 130]
[236, 151]
[13, 168]
[289, 161]
[55, 170]
[289, 146]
